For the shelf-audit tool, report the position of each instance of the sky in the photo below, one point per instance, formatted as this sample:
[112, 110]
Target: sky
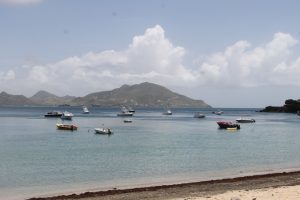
[233, 53]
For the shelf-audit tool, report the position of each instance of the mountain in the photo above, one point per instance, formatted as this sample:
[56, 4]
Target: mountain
[290, 106]
[139, 95]
[14, 100]
[45, 98]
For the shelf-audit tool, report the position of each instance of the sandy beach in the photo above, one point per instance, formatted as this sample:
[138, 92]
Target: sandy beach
[270, 186]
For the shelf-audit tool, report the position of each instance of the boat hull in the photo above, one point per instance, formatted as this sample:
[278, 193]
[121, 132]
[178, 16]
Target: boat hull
[199, 115]
[129, 114]
[66, 127]
[245, 120]
[103, 131]
[66, 116]
[226, 125]
[54, 114]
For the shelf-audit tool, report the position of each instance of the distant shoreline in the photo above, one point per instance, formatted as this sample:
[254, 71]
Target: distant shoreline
[204, 188]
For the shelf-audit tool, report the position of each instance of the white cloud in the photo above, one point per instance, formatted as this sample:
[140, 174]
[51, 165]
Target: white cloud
[39, 74]
[19, 2]
[241, 65]
[150, 57]
[153, 57]
[10, 75]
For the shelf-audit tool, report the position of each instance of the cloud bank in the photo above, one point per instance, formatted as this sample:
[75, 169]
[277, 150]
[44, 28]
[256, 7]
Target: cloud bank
[153, 57]
[243, 65]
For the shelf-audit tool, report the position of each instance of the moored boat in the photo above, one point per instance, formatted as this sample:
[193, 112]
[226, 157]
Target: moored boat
[125, 112]
[69, 127]
[67, 115]
[245, 120]
[127, 120]
[85, 110]
[105, 131]
[219, 112]
[168, 112]
[199, 115]
[226, 125]
[130, 109]
[53, 114]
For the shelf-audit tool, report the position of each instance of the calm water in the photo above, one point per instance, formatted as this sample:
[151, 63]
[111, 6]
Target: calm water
[37, 159]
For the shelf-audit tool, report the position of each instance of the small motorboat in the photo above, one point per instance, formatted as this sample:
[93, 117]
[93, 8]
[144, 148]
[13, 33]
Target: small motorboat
[245, 120]
[104, 131]
[226, 125]
[218, 112]
[85, 110]
[125, 112]
[67, 115]
[53, 114]
[168, 112]
[69, 127]
[130, 109]
[127, 121]
[199, 115]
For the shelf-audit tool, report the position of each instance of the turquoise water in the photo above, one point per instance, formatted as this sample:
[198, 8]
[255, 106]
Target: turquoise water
[37, 159]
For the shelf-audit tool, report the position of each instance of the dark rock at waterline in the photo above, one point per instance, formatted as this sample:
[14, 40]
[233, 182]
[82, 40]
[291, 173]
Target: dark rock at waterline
[290, 106]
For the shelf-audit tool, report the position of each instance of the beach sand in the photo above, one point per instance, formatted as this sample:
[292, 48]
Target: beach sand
[277, 186]
[279, 193]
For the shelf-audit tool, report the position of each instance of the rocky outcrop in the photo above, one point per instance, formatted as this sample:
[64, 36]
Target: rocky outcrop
[290, 106]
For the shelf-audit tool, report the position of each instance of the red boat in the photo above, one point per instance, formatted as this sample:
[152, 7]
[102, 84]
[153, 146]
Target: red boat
[228, 125]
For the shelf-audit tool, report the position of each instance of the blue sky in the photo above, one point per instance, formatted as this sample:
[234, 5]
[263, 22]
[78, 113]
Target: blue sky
[229, 53]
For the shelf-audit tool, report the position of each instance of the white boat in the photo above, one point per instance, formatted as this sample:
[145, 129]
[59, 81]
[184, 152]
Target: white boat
[168, 112]
[130, 109]
[125, 112]
[105, 131]
[199, 115]
[218, 112]
[85, 110]
[67, 115]
[245, 120]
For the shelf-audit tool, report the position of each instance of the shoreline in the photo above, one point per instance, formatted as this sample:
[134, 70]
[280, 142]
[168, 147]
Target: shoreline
[181, 190]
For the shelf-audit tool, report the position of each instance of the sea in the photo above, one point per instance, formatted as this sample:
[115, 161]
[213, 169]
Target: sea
[38, 160]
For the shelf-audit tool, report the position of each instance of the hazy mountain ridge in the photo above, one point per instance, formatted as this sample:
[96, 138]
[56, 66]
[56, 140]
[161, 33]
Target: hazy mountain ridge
[14, 100]
[45, 98]
[139, 95]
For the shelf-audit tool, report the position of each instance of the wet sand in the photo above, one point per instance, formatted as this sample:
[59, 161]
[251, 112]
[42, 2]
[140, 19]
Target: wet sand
[274, 186]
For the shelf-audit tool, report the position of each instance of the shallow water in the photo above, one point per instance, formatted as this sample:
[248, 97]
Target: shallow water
[38, 159]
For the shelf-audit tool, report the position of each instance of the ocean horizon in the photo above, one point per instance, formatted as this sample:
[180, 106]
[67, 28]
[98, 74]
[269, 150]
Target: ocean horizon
[37, 159]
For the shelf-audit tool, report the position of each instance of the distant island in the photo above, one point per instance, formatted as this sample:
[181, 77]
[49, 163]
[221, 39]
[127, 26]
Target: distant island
[139, 95]
[290, 106]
